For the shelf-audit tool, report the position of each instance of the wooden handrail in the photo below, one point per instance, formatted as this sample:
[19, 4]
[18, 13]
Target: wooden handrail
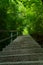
[10, 37]
[8, 30]
[7, 38]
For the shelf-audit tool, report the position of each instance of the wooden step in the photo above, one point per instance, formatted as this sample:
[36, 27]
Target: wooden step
[21, 57]
[22, 42]
[23, 45]
[13, 48]
[23, 63]
[22, 51]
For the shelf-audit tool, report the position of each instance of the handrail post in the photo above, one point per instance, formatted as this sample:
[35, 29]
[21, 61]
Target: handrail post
[17, 33]
[11, 36]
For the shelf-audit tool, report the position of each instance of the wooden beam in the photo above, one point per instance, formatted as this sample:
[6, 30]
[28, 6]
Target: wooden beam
[8, 30]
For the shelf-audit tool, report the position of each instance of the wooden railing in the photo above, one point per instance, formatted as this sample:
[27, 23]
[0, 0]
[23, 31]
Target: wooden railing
[11, 34]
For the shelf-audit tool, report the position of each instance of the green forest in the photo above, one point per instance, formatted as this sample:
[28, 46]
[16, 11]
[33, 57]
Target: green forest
[25, 16]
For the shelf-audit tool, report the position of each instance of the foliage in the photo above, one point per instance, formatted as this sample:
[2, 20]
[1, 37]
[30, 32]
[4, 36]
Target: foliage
[26, 16]
[21, 14]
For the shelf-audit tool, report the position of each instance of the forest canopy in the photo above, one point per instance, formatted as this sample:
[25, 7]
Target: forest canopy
[22, 15]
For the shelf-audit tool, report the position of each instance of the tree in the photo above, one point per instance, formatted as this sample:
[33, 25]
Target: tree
[25, 16]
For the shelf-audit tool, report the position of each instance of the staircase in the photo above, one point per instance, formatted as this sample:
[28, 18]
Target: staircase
[22, 51]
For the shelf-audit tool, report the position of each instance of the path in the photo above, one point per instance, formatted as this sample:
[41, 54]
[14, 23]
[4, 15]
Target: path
[22, 51]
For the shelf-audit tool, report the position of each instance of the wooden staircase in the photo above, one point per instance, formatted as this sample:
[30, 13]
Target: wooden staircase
[22, 51]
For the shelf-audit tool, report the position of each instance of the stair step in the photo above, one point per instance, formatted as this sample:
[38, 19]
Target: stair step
[21, 47]
[22, 42]
[21, 57]
[22, 51]
[23, 63]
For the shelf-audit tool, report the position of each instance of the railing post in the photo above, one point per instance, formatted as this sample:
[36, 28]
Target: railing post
[17, 33]
[11, 36]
